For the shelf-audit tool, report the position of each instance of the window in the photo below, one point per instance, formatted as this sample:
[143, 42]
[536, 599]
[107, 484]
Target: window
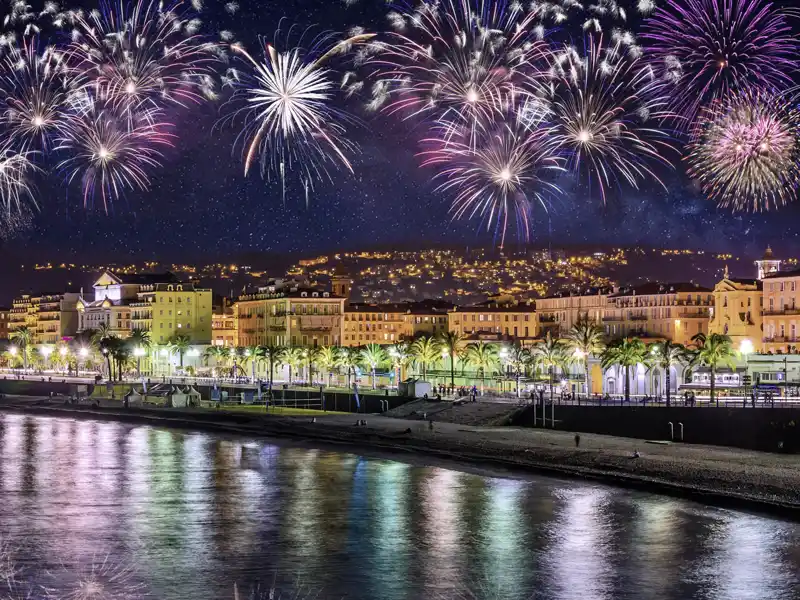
[792, 331]
[783, 330]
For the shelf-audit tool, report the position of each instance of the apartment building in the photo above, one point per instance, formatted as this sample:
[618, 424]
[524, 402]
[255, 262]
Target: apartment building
[736, 311]
[781, 311]
[557, 314]
[494, 321]
[49, 317]
[289, 313]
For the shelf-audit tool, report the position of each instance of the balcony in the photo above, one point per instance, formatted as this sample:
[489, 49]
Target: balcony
[786, 311]
[547, 318]
[781, 339]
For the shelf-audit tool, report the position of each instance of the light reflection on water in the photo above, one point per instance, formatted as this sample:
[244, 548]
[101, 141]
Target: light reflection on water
[189, 514]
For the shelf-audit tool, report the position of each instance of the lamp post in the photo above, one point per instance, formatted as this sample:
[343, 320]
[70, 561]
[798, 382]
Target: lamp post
[164, 352]
[746, 349]
[581, 356]
[46, 352]
[445, 354]
[83, 353]
[63, 352]
[13, 352]
[138, 352]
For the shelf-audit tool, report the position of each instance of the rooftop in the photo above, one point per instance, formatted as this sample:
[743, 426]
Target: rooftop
[653, 288]
[144, 278]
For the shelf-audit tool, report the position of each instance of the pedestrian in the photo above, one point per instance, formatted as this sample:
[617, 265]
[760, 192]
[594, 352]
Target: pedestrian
[577, 440]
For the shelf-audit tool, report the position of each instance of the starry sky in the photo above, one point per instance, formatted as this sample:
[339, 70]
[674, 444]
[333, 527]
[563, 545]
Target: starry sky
[201, 206]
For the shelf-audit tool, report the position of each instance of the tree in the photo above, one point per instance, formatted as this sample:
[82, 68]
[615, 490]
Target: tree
[585, 339]
[274, 355]
[251, 354]
[453, 342]
[665, 354]
[99, 334]
[551, 353]
[373, 355]
[106, 345]
[23, 338]
[219, 354]
[400, 355]
[482, 356]
[120, 352]
[518, 357]
[426, 351]
[350, 358]
[180, 345]
[139, 339]
[293, 358]
[328, 359]
[712, 351]
[625, 352]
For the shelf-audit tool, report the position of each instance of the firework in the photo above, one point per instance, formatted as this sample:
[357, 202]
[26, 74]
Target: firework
[111, 153]
[747, 154]
[35, 89]
[289, 118]
[141, 56]
[704, 49]
[498, 175]
[103, 579]
[16, 168]
[604, 111]
[468, 56]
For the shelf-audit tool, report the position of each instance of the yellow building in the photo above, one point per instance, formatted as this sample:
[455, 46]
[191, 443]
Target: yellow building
[558, 313]
[5, 315]
[737, 310]
[781, 311]
[50, 317]
[158, 303]
[659, 311]
[223, 325]
[492, 321]
[390, 323]
[289, 314]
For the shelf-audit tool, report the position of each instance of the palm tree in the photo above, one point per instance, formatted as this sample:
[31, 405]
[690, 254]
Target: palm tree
[328, 358]
[518, 357]
[625, 352]
[121, 353]
[139, 338]
[453, 342]
[400, 354]
[251, 355]
[23, 338]
[482, 356]
[712, 351]
[180, 344]
[106, 344]
[219, 354]
[585, 339]
[102, 332]
[373, 355]
[665, 354]
[426, 351]
[552, 354]
[293, 358]
[274, 355]
[350, 358]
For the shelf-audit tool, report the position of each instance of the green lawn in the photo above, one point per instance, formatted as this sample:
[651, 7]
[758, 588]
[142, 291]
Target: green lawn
[287, 411]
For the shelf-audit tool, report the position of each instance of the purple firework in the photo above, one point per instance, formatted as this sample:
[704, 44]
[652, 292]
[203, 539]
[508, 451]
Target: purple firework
[703, 49]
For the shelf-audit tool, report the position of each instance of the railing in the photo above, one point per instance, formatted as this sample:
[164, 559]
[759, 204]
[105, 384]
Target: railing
[785, 311]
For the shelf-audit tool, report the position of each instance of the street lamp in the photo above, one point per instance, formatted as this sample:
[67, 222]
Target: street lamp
[581, 355]
[63, 352]
[746, 348]
[12, 350]
[46, 352]
[83, 353]
[138, 352]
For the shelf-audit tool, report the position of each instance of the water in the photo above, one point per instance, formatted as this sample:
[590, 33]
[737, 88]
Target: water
[182, 515]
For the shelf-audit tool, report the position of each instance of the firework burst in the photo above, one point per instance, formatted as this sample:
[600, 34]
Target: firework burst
[747, 153]
[36, 89]
[289, 118]
[142, 56]
[604, 113]
[468, 56]
[111, 153]
[16, 191]
[104, 579]
[705, 49]
[497, 176]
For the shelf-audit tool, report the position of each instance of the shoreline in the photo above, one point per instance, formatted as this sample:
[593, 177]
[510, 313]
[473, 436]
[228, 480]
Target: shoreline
[725, 477]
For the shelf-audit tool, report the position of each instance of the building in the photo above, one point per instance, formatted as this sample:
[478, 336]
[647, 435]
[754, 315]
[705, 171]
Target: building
[223, 324]
[659, 311]
[767, 264]
[56, 317]
[781, 311]
[289, 313]
[5, 314]
[737, 310]
[389, 323]
[50, 317]
[494, 321]
[558, 313]
[155, 302]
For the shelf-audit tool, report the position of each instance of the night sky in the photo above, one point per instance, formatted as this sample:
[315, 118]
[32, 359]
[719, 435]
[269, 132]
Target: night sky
[201, 207]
